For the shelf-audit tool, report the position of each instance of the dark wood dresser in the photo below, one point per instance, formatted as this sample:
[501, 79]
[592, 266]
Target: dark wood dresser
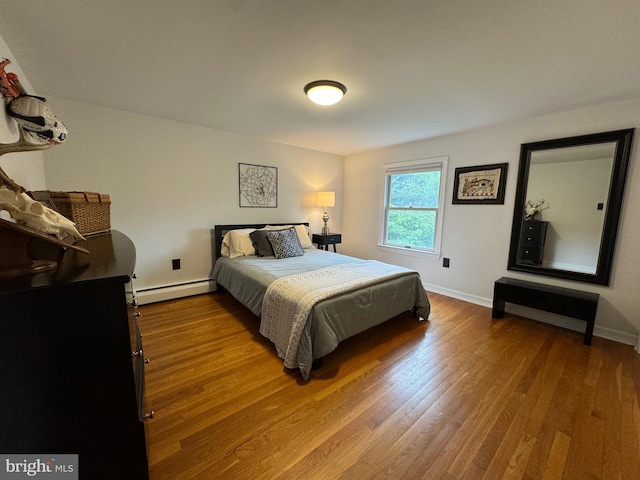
[71, 362]
[532, 242]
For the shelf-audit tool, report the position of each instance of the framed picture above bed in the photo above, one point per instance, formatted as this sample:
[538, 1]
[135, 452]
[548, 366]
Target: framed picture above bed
[483, 184]
[258, 185]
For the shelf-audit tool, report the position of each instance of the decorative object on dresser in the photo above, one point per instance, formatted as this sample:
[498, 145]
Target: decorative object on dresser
[38, 129]
[90, 211]
[324, 240]
[533, 208]
[325, 199]
[24, 210]
[563, 301]
[24, 251]
[73, 362]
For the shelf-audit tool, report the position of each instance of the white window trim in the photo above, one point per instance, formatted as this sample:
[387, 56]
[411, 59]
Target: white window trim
[441, 162]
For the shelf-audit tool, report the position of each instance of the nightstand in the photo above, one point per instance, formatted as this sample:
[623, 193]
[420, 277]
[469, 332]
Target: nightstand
[326, 240]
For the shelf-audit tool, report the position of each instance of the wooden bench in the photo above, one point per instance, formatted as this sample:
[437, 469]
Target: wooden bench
[563, 301]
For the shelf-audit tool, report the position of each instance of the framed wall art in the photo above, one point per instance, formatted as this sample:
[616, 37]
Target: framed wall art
[258, 185]
[483, 184]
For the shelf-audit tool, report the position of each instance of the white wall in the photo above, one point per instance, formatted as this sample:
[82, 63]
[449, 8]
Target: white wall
[24, 168]
[170, 183]
[476, 237]
[572, 191]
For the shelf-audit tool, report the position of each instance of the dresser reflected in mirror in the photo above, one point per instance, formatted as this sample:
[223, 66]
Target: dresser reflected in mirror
[568, 203]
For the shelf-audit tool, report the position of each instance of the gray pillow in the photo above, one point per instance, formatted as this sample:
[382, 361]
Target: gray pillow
[285, 243]
[261, 243]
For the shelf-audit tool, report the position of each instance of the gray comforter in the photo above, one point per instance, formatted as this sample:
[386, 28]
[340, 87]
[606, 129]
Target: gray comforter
[332, 319]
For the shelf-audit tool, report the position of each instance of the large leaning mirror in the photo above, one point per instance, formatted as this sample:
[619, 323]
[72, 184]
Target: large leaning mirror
[567, 208]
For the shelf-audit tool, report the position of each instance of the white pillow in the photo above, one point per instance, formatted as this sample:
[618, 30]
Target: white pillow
[276, 227]
[301, 230]
[303, 236]
[237, 243]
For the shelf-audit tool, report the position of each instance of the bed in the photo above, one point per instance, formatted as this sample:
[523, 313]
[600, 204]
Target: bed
[308, 302]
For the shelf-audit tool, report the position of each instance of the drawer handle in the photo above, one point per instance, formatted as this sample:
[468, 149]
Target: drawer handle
[148, 415]
[146, 360]
[137, 314]
[137, 353]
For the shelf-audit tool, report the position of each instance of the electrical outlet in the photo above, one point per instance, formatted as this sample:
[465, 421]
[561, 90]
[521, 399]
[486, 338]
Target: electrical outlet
[175, 263]
[445, 262]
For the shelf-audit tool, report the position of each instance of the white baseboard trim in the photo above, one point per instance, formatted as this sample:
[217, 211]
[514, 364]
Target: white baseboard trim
[557, 320]
[171, 292]
[485, 302]
[616, 336]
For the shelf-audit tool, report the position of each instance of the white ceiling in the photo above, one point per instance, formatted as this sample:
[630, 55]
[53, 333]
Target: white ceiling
[414, 69]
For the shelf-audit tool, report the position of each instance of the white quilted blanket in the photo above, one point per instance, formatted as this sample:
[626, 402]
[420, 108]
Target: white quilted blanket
[288, 301]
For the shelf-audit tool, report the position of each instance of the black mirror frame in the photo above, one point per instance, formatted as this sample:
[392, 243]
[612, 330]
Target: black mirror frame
[623, 139]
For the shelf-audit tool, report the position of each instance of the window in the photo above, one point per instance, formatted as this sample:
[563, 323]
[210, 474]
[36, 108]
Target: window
[413, 205]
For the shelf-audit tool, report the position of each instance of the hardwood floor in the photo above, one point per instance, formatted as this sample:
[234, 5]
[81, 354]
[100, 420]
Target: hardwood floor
[461, 396]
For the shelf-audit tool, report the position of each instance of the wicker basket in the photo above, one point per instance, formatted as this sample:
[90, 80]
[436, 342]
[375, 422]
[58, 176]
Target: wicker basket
[90, 211]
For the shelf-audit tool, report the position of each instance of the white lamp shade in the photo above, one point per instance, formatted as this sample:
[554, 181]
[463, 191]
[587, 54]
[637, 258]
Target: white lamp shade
[326, 199]
[325, 92]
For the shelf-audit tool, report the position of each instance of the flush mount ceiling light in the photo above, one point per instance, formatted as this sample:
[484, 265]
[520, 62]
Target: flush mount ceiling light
[325, 92]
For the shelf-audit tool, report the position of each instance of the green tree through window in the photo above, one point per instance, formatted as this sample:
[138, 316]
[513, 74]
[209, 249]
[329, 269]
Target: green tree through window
[412, 207]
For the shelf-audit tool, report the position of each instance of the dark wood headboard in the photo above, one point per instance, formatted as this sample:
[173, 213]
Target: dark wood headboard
[221, 230]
